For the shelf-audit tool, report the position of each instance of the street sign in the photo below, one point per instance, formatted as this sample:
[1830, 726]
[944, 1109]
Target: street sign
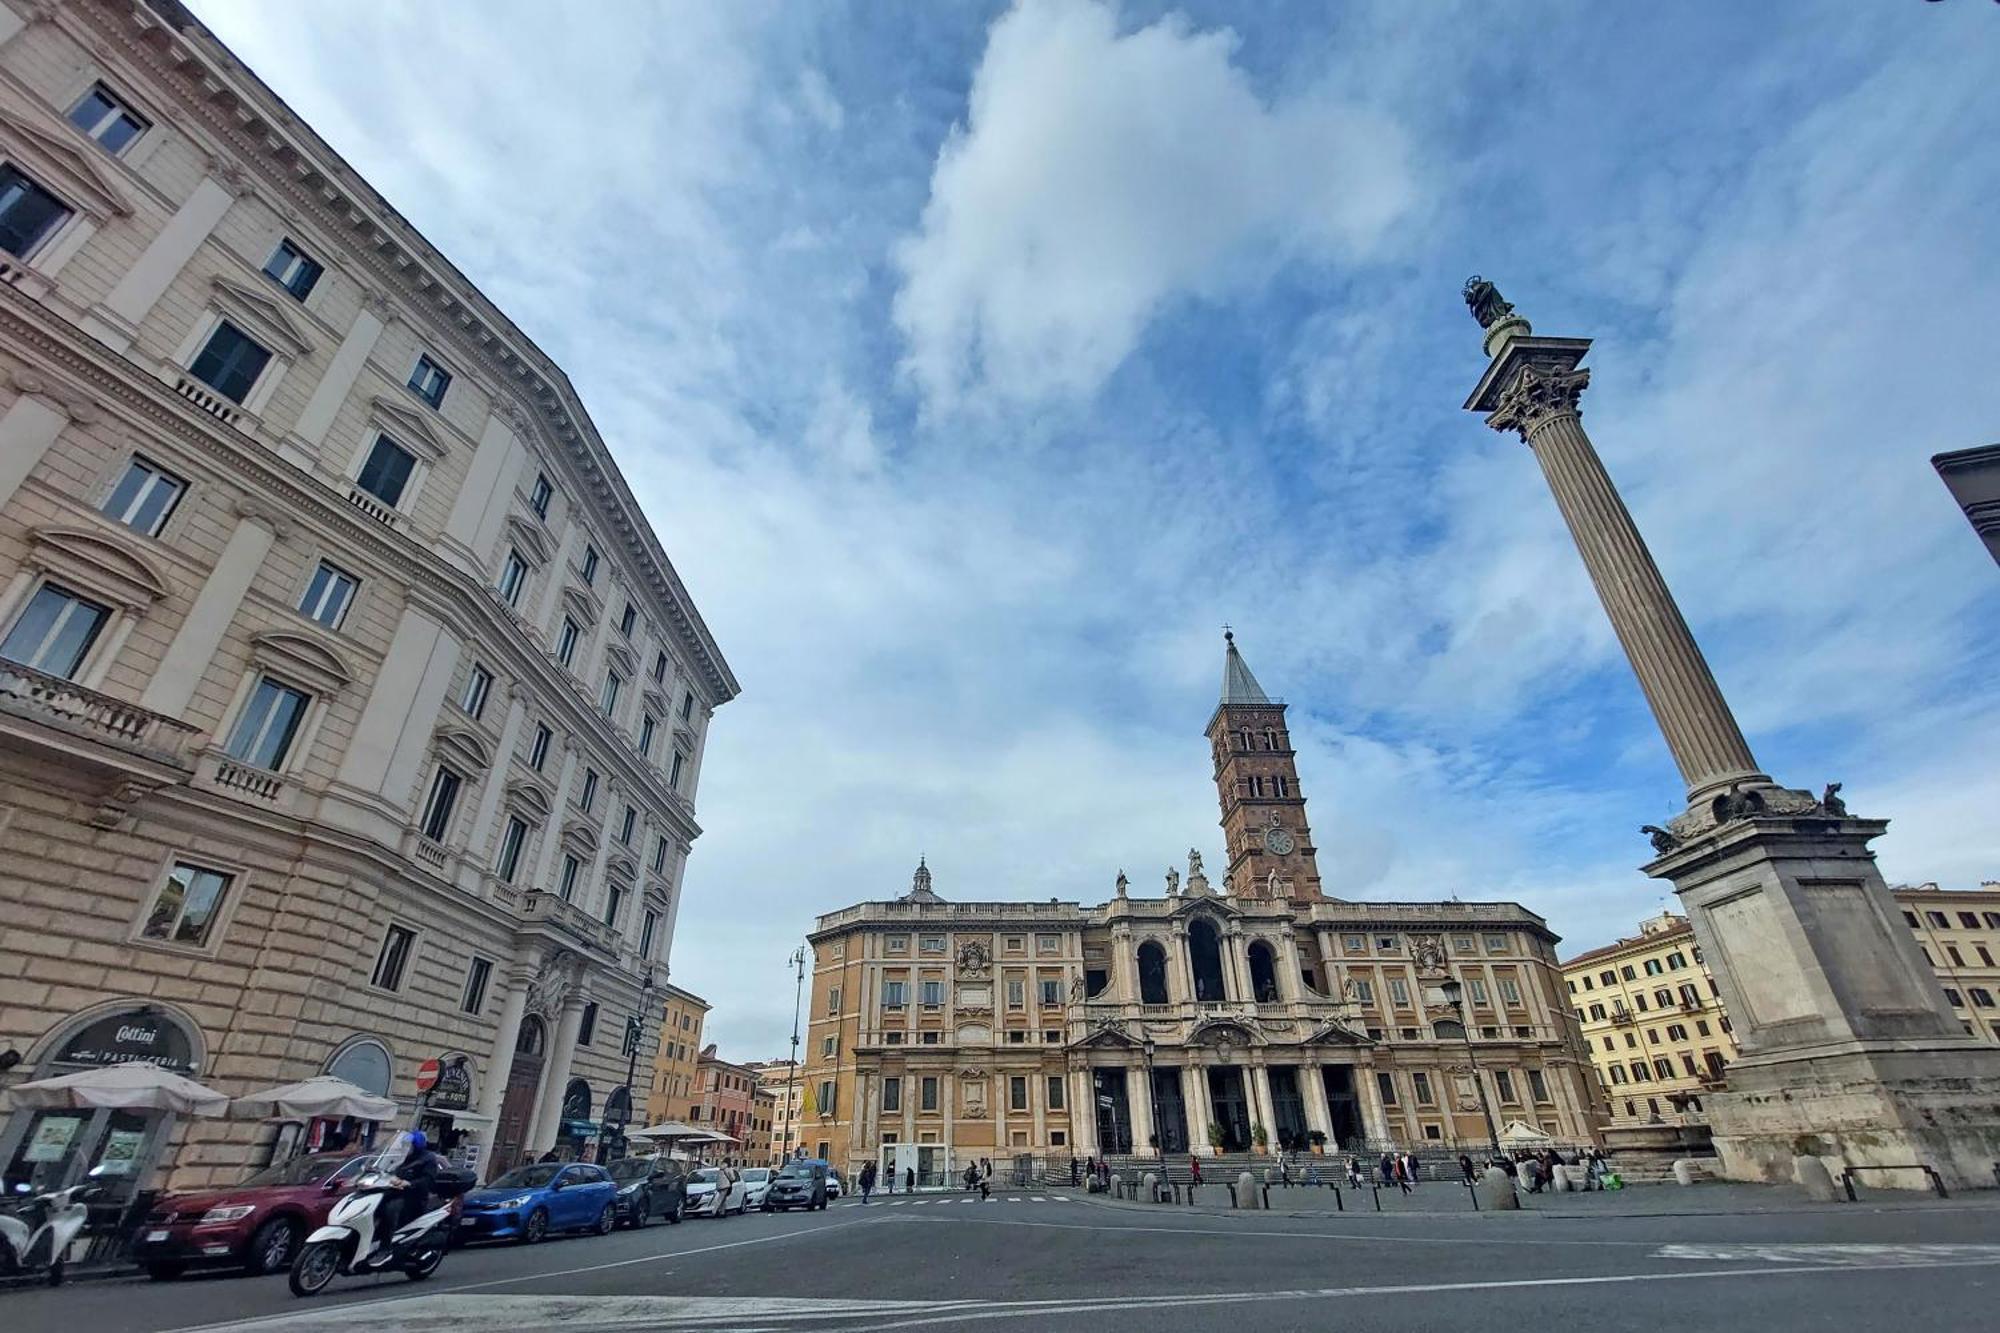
[427, 1075]
[631, 1037]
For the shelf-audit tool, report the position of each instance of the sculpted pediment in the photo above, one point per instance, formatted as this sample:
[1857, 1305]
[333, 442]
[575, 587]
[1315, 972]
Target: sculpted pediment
[263, 315]
[407, 427]
[66, 169]
[465, 749]
[303, 658]
[102, 563]
[528, 538]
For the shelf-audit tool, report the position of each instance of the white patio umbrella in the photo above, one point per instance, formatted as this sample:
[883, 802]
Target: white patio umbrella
[665, 1131]
[1519, 1134]
[135, 1086]
[324, 1095]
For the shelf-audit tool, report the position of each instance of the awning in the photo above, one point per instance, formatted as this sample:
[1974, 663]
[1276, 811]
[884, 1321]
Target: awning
[321, 1096]
[665, 1131]
[128, 1087]
[464, 1118]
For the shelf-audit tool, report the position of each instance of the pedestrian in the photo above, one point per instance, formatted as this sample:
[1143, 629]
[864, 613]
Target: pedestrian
[1410, 1169]
[985, 1175]
[867, 1180]
[1465, 1168]
[1354, 1173]
[909, 1180]
[971, 1176]
[1194, 1170]
[1075, 1173]
[1387, 1166]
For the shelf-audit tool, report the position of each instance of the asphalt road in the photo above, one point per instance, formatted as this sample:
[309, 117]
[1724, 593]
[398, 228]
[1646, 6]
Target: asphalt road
[940, 1263]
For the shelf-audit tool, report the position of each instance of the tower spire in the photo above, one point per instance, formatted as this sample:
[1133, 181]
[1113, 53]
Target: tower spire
[1238, 685]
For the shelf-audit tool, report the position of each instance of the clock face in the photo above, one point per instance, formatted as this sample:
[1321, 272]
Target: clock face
[1277, 841]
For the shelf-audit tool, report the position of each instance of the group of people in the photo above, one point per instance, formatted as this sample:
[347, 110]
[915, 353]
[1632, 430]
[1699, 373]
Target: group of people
[1534, 1172]
[979, 1176]
[1093, 1171]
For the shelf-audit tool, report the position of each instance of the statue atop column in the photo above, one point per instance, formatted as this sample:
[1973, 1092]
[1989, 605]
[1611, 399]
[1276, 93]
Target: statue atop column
[1485, 302]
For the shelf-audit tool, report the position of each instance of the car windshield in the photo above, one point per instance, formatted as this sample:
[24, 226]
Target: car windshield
[756, 1175]
[631, 1168]
[705, 1176]
[532, 1177]
[298, 1171]
[795, 1173]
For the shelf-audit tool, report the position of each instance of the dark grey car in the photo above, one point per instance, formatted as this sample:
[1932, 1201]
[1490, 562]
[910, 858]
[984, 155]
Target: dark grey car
[799, 1185]
[649, 1187]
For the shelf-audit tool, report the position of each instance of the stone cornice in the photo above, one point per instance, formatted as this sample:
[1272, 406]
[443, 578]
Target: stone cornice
[221, 95]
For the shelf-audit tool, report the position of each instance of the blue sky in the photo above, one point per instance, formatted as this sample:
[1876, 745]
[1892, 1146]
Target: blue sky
[977, 362]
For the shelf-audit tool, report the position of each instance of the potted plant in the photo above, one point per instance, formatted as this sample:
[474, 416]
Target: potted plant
[1317, 1137]
[1260, 1136]
[1216, 1136]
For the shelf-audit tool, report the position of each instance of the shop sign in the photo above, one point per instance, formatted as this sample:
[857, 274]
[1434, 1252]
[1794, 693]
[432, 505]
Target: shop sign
[120, 1155]
[133, 1037]
[51, 1139]
[453, 1089]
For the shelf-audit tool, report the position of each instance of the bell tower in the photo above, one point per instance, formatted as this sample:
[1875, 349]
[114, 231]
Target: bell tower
[1257, 783]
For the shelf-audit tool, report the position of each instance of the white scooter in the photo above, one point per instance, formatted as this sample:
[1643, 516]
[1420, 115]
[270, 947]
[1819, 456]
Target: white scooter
[346, 1244]
[35, 1232]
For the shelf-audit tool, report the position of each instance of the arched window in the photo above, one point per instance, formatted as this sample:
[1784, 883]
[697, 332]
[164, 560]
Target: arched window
[1152, 973]
[1263, 973]
[364, 1063]
[1205, 959]
[1449, 1029]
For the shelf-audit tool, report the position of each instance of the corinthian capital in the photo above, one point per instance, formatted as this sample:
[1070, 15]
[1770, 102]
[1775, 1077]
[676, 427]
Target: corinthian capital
[1538, 396]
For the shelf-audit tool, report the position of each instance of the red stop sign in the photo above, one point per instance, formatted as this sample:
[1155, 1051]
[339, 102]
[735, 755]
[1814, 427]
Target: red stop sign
[427, 1075]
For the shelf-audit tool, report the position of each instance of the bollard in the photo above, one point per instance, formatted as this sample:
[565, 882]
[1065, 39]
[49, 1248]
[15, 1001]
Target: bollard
[1559, 1178]
[1814, 1178]
[1376, 1190]
[1267, 1198]
[1339, 1206]
[1232, 1193]
[1496, 1190]
[1246, 1191]
[1684, 1172]
[1150, 1183]
[1473, 1194]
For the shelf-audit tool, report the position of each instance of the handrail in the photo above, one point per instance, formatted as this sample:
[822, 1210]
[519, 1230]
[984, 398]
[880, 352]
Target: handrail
[1937, 1181]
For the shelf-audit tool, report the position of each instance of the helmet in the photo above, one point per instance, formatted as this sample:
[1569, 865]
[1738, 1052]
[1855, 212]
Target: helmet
[418, 1142]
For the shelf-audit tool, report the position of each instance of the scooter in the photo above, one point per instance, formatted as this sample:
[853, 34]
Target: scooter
[346, 1244]
[35, 1232]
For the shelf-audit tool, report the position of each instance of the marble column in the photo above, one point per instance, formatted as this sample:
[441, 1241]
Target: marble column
[1374, 1115]
[1082, 1114]
[555, 1074]
[500, 1056]
[1319, 1112]
[1263, 1111]
[1194, 1086]
[1139, 1096]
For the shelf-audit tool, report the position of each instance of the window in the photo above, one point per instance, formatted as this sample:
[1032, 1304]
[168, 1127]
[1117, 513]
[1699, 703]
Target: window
[628, 620]
[1503, 1082]
[1981, 997]
[1676, 961]
[478, 686]
[429, 381]
[1663, 998]
[28, 213]
[1496, 943]
[1608, 978]
[1538, 1085]
[511, 843]
[930, 944]
[1055, 1085]
[1386, 1086]
[1677, 1032]
[1510, 992]
[1957, 1000]
[1937, 919]
[1627, 973]
[607, 698]
[588, 1029]
[1051, 992]
[328, 595]
[292, 269]
[1911, 917]
[571, 870]
[927, 1094]
[390, 964]
[231, 363]
[892, 1094]
[1364, 991]
[440, 804]
[476, 977]
[1421, 1081]
[538, 499]
[1017, 1093]
[660, 855]
[107, 120]
[1017, 994]
[1957, 958]
[1653, 1036]
[1663, 1069]
[589, 565]
[1354, 943]
[270, 723]
[1640, 1074]
[1476, 988]
[1654, 967]
[513, 578]
[659, 668]
[588, 797]
[538, 751]
[933, 993]
[647, 726]
[674, 774]
[894, 994]
[144, 497]
[687, 711]
[614, 899]
[648, 925]
[1618, 1074]
[1399, 992]
[1597, 1013]
[897, 944]
[386, 473]
[1385, 944]
[56, 631]
[566, 641]
[186, 906]
[833, 1002]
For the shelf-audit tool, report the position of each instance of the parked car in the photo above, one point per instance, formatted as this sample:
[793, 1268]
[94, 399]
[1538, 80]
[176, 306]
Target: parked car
[702, 1200]
[256, 1225]
[530, 1201]
[835, 1186]
[756, 1185]
[648, 1187]
[798, 1184]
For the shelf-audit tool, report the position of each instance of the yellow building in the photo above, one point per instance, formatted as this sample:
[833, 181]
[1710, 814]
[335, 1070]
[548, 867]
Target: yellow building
[786, 1084]
[676, 1069]
[1653, 1017]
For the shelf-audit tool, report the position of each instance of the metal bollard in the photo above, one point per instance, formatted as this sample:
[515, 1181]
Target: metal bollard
[1377, 1191]
[1473, 1194]
[1232, 1193]
[1267, 1198]
[1339, 1206]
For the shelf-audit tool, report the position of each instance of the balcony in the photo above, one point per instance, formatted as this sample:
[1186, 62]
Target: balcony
[549, 912]
[1621, 1015]
[245, 781]
[51, 713]
[372, 507]
[208, 400]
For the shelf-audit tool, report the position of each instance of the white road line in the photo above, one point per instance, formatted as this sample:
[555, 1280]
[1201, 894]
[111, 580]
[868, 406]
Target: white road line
[1039, 1199]
[1013, 1198]
[1242, 1232]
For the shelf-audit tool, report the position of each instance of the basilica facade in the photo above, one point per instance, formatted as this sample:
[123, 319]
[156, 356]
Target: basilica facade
[1253, 1014]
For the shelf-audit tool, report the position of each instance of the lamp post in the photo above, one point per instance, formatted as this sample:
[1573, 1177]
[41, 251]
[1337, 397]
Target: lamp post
[1153, 1103]
[635, 1036]
[798, 962]
[1454, 995]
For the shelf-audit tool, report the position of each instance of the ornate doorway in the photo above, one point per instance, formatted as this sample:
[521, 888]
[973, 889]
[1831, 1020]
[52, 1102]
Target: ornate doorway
[517, 1104]
[1229, 1110]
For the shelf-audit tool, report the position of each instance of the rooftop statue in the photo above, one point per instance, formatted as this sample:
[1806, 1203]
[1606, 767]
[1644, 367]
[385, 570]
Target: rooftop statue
[1485, 301]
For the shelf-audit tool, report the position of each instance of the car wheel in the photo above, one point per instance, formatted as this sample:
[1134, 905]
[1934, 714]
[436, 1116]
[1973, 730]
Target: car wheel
[605, 1221]
[271, 1246]
[165, 1272]
[536, 1227]
[642, 1214]
[674, 1217]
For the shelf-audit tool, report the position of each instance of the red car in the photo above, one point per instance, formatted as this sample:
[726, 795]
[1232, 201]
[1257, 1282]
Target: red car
[257, 1225]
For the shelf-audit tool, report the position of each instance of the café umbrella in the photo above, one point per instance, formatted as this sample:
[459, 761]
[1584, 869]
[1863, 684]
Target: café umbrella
[313, 1098]
[135, 1086]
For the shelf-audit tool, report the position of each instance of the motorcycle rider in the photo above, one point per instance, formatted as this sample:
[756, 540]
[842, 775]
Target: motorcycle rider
[414, 1180]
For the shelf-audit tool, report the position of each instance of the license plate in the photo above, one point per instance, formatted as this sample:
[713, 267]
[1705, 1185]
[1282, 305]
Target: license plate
[156, 1235]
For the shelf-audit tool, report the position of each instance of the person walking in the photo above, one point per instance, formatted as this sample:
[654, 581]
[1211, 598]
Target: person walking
[985, 1176]
[1194, 1170]
[1354, 1173]
[909, 1180]
[1465, 1168]
[1410, 1168]
[867, 1181]
[1387, 1166]
[1403, 1181]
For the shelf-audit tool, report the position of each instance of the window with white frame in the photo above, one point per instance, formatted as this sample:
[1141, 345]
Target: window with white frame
[269, 724]
[572, 870]
[538, 749]
[674, 776]
[1051, 991]
[55, 631]
[103, 116]
[566, 641]
[186, 905]
[441, 804]
[933, 994]
[1399, 992]
[1510, 991]
[230, 363]
[538, 499]
[513, 578]
[328, 594]
[398, 943]
[649, 924]
[478, 687]
[607, 698]
[293, 269]
[145, 497]
[429, 380]
[29, 214]
[385, 473]
[513, 841]
[894, 994]
[477, 975]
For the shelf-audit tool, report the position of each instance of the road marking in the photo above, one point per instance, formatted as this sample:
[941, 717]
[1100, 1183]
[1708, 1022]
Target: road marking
[1039, 1199]
[1243, 1232]
[1859, 1256]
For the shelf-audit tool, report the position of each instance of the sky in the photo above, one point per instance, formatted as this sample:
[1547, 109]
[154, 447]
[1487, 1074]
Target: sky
[977, 363]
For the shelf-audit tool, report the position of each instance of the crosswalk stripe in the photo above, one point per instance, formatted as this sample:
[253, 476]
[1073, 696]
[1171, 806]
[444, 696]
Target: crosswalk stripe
[1013, 1198]
[1039, 1199]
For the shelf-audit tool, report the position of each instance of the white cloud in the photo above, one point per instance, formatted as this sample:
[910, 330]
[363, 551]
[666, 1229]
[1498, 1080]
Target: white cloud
[1102, 174]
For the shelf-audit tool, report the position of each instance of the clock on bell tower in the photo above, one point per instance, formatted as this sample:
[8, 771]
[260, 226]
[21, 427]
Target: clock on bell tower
[1257, 782]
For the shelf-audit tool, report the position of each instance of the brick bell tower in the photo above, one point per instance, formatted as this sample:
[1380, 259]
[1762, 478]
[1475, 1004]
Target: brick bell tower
[1257, 782]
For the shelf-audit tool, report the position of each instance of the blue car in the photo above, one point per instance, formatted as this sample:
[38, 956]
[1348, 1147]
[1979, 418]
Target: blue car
[529, 1202]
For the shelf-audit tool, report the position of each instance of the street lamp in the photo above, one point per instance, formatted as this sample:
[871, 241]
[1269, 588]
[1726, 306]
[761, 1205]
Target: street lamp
[798, 961]
[1153, 1101]
[1454, 995]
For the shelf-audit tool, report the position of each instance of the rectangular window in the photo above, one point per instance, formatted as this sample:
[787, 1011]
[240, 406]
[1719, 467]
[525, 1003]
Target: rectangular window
[1386, 944]
[144, 497]
[1503, 1083]
[1386, 1086]
[478, 687]
[660, 856]
[429, 381]
[687, 705]
[538, 752]
[1510, 992]
[1981, 997]
[833, 1002]
[511, 843]
[476, 977]
[1017, 1093]
[1957, 958]
[1618, 1074]
[1399, 992]
[231, 363]
[628, 620]
[1364, 991]
[1538, 1085]
[270, 723]
[186, 906]
[513, 578]
[614, 899]
[588, 797]
[927, 1094]
[55, 633]
[538, 499]
[1676, 961]
[442, 801]
[1627, 973]
[328, 595]
[386, 473]
[1496, 943]
[607, 698]
[394, 958]
[648, 925]
[1051, 992]
[1476, 988]
[1957, 1001]
[1422, 1083]
[647, 726]
[1017, 994]
[892, 1094]
[572, 870]
[566, 641]
[291, 268]
[659, 668]
[628, 825]
[28, 213]
[106, 119]
[1937, 919]
[933, 992]
[1663, 1069]
[894, 993]
[588, 1029]
[674, 775]
[1055, 1086]
[589, 565]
